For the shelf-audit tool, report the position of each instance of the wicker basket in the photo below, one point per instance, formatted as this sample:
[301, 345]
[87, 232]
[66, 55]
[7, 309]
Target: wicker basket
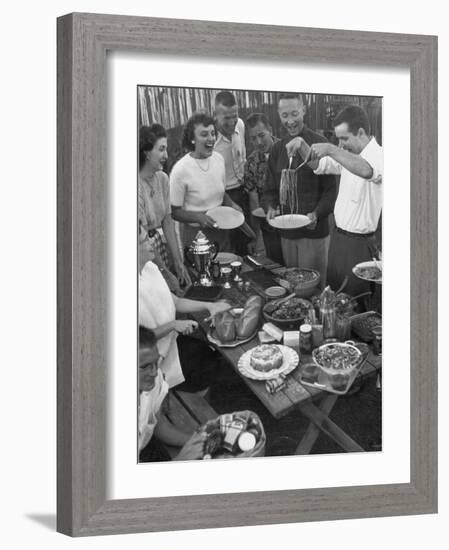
[258, 450]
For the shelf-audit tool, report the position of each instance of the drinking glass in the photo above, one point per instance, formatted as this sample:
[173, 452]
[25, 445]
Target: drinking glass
[343, 328]
[236, 269]
[226, 274]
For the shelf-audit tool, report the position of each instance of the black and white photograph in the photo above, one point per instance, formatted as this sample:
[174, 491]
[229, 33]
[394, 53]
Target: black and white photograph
[202, 264]
[259, 273]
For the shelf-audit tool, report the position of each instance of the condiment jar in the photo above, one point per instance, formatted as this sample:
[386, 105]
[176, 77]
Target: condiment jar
[305, 338]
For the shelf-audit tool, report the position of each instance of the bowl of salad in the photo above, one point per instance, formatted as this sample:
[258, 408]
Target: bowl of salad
[337, 357]
[290, 314]
[301, 280]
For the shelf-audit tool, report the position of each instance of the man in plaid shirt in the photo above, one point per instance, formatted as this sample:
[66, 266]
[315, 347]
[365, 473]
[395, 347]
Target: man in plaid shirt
[260, 134]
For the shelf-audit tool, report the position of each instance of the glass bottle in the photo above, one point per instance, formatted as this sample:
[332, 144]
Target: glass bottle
[328, 313]
[305, 338]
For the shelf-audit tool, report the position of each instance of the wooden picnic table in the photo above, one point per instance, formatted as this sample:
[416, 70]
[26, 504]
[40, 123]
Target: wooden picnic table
[315, 404]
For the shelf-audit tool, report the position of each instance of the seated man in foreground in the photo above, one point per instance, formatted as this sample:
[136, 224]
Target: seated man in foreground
[155, 429]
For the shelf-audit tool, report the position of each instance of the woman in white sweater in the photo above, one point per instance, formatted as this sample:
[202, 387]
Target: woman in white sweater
[197, 182]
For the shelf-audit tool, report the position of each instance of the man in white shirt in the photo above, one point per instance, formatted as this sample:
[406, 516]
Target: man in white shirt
[153, 390]
[230, 141]
[230, 144]
[359, 161]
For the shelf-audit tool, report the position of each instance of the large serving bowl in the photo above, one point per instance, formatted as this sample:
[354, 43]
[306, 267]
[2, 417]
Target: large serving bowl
[300, 309]
[337, 358]
[303, 281]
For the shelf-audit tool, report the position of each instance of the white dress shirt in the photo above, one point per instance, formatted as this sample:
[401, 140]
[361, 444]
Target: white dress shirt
[150, 403]
[234, 153]
[359, 202]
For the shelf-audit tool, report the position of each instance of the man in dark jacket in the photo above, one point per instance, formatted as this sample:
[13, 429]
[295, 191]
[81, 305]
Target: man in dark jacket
[315, 194]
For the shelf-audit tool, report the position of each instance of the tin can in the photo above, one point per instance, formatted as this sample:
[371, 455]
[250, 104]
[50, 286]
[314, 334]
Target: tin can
[232, 434]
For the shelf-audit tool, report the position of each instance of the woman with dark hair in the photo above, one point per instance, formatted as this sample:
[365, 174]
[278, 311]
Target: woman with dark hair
[154, 206]
[197, 182]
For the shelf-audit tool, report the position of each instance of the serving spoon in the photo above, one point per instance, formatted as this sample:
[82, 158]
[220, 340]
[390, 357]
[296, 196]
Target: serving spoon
[302, 163]
[376, 263]
[272, 306]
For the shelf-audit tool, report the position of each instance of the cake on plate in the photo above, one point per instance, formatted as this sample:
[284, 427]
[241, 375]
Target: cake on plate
[266, 357]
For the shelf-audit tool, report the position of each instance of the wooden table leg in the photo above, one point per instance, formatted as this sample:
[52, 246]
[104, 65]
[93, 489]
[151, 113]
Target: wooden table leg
[325, 424]
[309, 438]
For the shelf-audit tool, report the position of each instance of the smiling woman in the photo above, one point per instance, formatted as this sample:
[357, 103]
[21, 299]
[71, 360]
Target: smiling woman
[154, 206]
[197, 182]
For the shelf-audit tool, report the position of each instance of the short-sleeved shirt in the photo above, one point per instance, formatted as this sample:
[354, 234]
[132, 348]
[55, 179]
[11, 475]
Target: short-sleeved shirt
[359, 202]
[154, 200]
[156, 308]
[256, 170]
[233, 152]
[150, 403]
[197, 185]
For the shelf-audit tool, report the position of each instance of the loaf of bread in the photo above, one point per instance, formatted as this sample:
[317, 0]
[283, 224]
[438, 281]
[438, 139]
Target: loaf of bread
[229, 328]
[225, 326]
[248, 321]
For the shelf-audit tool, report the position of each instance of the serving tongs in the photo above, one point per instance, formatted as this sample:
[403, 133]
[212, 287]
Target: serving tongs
[357, 297]
[306, 160]
[342, 286]
[272, 306]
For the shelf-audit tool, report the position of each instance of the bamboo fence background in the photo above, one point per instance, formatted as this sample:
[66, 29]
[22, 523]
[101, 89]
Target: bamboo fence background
[172, 106]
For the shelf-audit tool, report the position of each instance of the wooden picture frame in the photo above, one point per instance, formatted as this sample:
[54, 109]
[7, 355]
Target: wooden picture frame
[83, 40]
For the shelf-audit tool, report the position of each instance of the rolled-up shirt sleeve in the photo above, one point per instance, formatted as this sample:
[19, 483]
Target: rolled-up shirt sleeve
[375, 158]
[328, 165]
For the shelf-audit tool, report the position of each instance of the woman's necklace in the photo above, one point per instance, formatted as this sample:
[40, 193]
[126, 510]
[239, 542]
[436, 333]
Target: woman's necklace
[149, 179]
[199, 164]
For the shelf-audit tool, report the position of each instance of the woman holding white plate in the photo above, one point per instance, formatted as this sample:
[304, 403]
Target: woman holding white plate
[197, 183]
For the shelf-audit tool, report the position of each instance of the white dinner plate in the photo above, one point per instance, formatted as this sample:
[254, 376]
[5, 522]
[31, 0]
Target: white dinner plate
[289, 363]
[258, 213]
[289, 221]
[213, 339]
[226, 217]
[356, 272]
[225, 258]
